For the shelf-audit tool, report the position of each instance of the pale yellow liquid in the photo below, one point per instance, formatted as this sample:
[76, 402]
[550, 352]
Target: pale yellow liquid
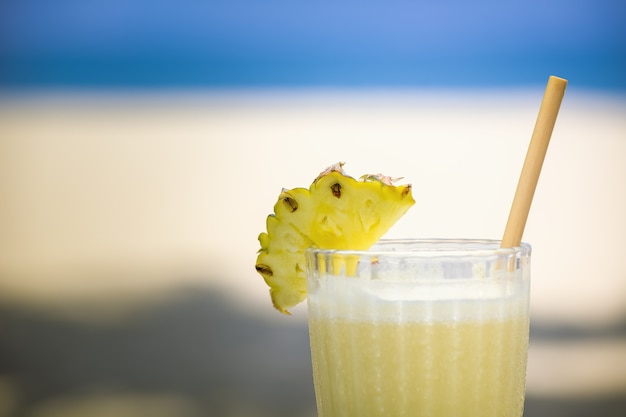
[450, 368]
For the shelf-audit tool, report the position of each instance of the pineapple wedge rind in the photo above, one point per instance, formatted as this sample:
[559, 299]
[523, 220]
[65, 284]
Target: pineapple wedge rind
[336, 212]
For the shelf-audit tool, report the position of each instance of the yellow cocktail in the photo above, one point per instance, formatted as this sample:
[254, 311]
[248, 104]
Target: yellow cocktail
[433, 328]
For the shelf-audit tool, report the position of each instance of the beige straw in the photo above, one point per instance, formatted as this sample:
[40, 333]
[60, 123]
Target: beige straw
[534, 160]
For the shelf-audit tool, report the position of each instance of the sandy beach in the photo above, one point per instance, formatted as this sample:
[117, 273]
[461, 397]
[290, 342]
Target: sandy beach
[129, 224]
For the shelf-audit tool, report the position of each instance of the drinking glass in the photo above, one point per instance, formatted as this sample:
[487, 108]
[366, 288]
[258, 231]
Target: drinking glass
[434, 327]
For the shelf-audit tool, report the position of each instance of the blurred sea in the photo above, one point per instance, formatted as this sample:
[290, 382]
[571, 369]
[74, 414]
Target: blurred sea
[293, 44]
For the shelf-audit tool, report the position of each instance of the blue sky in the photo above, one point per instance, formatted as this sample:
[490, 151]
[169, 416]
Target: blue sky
[341, 43]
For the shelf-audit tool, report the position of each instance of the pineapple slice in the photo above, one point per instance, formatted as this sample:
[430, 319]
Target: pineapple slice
[336, 212]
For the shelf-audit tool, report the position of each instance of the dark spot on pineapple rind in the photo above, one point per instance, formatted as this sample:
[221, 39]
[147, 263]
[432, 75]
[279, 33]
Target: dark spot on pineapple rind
[336, 189]
[406, 190]
[264, 270]
[291, 204]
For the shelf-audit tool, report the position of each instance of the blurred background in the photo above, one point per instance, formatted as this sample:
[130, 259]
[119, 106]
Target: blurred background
[143, 143]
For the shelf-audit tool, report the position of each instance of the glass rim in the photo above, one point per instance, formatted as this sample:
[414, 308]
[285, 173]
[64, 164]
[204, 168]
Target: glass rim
[431, 247]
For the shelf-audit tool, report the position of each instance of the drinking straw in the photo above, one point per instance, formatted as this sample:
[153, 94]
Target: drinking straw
[534, 160]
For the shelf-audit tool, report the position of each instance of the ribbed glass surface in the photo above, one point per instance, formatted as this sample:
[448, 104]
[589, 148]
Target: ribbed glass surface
[437, 331]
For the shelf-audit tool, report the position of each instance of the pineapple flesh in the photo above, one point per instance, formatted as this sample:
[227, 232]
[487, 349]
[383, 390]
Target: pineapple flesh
[335, 212]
